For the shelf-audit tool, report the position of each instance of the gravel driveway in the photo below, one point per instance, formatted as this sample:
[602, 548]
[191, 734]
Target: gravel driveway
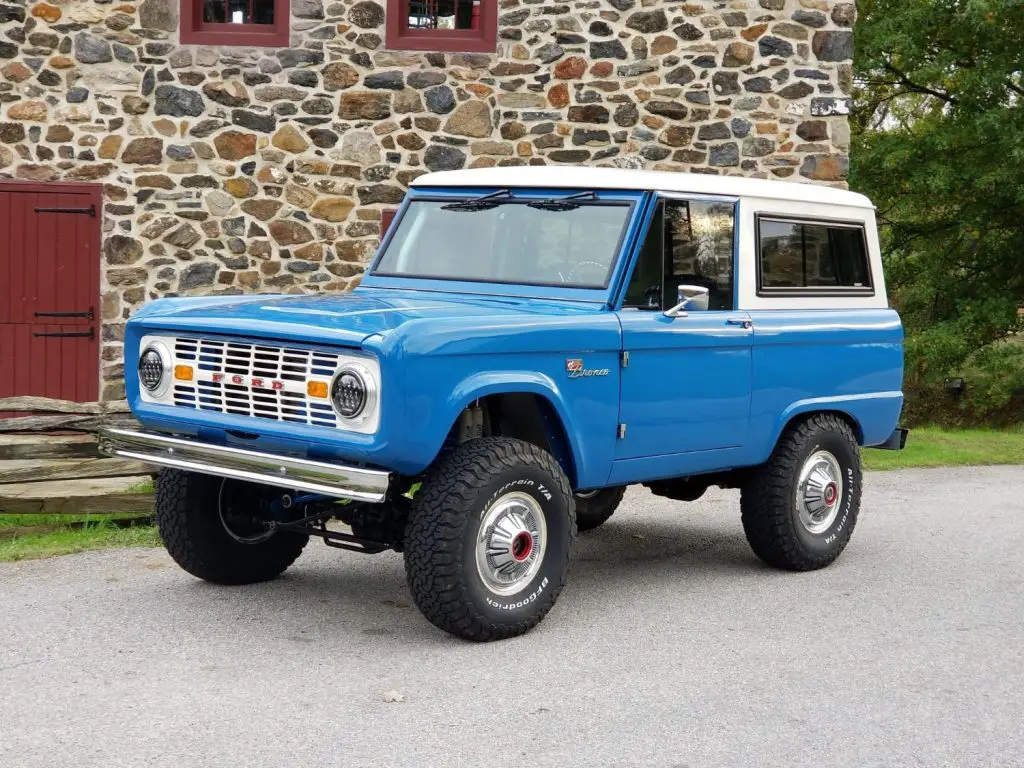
[670, 646]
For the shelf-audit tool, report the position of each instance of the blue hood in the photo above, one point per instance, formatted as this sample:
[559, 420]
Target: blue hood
[347, 319]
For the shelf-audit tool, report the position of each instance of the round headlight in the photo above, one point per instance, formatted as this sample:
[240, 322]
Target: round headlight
[152, 369]
[348, 393]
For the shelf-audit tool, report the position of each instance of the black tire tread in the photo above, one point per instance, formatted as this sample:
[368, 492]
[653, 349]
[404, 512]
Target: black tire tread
[189, 524]
[434, 536]
[595, 511]
[766, 498]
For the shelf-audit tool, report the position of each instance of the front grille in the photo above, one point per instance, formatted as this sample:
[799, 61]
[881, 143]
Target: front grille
[260, 380]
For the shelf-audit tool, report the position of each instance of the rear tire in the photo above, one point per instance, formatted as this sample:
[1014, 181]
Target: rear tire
[488, 540]
[189, 509]
[800, 507]
[594, 508]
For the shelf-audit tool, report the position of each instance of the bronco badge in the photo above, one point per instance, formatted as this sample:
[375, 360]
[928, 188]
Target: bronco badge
[574, 367]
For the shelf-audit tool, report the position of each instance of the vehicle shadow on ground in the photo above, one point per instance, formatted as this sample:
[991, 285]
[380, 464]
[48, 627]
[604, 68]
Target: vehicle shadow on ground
[617, 555]
[343, 598]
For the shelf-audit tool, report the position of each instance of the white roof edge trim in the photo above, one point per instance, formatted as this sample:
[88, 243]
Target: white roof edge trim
[588, 177]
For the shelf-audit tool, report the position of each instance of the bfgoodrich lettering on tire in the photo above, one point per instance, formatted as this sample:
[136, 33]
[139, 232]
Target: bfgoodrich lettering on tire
[488, 540]
[800, 507]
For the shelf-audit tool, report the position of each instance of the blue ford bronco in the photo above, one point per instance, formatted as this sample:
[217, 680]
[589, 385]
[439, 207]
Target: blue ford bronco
[527, 343]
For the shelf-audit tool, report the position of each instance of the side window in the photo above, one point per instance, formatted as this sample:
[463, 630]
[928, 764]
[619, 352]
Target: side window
[235, 22]
[804, 257]
[468, 26]
[689, 242]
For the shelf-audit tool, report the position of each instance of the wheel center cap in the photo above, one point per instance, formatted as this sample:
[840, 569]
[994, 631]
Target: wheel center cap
[831, 492]
[522, 546]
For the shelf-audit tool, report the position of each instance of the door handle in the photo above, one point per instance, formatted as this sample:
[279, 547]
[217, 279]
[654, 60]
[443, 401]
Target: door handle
[740, 322]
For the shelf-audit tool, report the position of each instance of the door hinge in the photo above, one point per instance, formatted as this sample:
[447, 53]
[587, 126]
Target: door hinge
[89, 314]
[624, 359]
[622, 431]
[90, 211]
[90, 334]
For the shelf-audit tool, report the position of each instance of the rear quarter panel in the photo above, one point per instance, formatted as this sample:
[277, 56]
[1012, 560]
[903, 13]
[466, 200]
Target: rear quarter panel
[814, 360]
[815, 353]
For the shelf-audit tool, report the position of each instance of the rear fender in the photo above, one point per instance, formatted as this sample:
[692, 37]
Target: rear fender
[871, 416]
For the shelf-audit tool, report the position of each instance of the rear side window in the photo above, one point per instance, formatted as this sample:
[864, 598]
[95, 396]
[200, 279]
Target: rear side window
[804, 257]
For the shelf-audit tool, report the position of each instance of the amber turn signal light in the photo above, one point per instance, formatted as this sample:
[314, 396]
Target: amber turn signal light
[316, 389]
[183, 372]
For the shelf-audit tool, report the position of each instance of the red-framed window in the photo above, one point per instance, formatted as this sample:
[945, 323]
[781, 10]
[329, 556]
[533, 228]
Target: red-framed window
[469, 26]
[235, 22]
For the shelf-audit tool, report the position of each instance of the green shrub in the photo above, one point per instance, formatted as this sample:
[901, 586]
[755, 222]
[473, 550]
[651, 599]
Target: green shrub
[993, 383]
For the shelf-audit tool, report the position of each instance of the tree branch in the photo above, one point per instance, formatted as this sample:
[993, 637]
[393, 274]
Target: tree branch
[906, 82]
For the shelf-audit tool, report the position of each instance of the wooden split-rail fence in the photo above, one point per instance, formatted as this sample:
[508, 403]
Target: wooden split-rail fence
[49, 463]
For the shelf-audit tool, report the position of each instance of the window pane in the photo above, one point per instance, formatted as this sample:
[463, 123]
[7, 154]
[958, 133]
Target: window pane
[819, 267]
[797, 255]
[238, 11]
[644, 289]
[215, 11]
[850, 256]
[510, 243]
[781, 255]
[699, 245]
[443, 14]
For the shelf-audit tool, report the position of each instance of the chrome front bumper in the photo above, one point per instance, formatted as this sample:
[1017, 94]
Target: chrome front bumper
[290, 472]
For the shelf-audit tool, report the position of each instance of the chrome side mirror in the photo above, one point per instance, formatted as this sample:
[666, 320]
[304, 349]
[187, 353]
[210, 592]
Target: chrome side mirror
[689, 298]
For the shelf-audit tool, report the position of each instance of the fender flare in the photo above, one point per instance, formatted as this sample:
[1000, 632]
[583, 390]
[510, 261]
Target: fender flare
[482, 384]
[840, 405]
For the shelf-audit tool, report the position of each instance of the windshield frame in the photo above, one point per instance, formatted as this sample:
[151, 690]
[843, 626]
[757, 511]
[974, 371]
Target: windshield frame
[631, 199]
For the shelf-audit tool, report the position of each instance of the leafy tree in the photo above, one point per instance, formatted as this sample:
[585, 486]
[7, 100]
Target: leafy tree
[938, 145]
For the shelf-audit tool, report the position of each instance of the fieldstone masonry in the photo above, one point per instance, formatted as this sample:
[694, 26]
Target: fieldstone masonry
[229, 170]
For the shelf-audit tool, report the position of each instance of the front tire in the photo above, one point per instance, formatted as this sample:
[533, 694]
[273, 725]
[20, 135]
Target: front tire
[212, 529]
[800, 507]
[593, 508]
[488, 540]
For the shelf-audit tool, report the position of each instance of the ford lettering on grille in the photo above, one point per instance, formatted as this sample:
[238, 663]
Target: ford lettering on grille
[260, 380]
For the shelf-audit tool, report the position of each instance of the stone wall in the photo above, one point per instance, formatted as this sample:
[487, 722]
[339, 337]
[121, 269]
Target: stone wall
[242, 169]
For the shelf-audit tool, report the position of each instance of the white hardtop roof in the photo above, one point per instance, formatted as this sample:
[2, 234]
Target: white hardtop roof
[588, 177]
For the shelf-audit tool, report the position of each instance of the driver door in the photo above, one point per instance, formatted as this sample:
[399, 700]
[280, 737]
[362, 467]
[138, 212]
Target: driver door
[686, 382]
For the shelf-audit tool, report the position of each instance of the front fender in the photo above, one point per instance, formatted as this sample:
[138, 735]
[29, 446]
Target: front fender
[586, 408]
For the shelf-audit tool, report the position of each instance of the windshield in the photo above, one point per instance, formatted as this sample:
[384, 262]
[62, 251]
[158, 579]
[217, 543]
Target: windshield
[503, 239]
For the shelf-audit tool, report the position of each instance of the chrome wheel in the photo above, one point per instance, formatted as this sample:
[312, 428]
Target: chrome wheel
[511, 542]
[819, 492]
[237, 505]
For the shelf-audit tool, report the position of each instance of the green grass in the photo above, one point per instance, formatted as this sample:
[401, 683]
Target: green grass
[937, 447]
[100, 533]
[146, 486]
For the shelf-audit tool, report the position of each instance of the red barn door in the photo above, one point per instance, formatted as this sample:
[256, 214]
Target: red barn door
[49, 291]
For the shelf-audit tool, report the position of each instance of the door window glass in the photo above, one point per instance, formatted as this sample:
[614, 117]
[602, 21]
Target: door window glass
[689, 242]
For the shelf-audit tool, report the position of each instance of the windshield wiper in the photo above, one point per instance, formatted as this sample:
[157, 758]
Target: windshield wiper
[562, 203]
[483, 203]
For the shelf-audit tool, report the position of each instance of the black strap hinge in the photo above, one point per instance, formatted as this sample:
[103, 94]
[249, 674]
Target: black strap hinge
[89, 314]
[90, 334]
[90, 211]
